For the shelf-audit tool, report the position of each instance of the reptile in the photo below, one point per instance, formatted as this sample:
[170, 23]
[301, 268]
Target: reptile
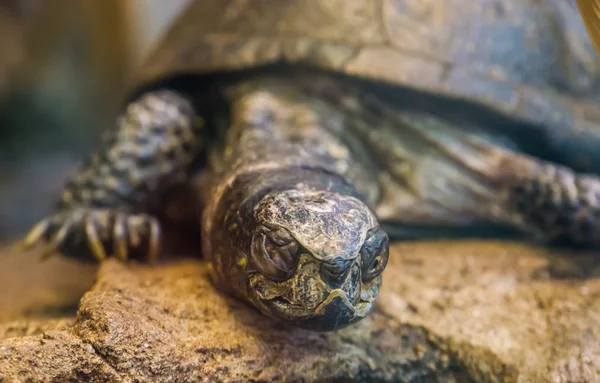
[292, 140]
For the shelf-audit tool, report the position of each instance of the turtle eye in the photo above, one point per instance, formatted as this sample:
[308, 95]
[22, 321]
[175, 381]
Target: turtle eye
[275, 253]
[374, 254]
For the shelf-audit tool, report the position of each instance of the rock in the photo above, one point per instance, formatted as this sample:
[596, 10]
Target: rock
[466, 311]
[31, 289]
[29, 327]
[536, 311]
[56, 356]
[169, 324]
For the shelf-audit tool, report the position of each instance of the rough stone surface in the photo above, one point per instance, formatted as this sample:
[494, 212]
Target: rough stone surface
[448, 312]
[536, 311]
[35, 290]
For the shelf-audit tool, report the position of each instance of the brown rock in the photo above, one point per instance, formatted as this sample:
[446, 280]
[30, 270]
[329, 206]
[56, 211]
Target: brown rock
[155, 326]
[536, 311]
[449, 312]
[31, 289]
[29, 327]
[57, 356]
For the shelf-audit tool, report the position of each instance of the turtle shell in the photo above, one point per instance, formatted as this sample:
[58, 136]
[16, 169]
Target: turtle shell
[526, 59]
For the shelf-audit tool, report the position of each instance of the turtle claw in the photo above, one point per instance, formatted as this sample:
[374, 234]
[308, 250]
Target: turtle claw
[120, 237]
[93, 239]
[35, 234]
[57, 239]
[154, 240]
[107, 232]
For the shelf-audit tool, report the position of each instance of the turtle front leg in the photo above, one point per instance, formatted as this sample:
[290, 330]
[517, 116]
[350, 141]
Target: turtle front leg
[106, 208]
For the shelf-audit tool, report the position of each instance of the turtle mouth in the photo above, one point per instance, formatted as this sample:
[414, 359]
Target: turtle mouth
[311, 301]
[283, 303]
[357, 309]
[280, 302]
[334, 312]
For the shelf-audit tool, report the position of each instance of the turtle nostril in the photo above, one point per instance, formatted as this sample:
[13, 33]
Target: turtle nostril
[334, 274]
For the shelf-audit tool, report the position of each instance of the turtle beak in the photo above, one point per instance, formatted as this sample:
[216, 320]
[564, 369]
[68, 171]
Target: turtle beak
[336, 312]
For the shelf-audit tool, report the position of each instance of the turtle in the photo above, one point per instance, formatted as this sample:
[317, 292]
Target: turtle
[292, 140]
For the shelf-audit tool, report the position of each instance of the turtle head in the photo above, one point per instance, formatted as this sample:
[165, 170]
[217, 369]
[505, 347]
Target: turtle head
[315, 258]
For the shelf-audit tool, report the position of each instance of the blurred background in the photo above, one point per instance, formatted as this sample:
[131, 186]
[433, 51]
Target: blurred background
[64, 67]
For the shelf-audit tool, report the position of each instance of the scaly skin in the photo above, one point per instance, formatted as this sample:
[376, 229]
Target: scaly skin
[108, 203]
[295, 192]
[554, 203]
[287, 224]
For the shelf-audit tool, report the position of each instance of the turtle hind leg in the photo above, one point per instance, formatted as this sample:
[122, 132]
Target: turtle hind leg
[548, 201]
[459, 179]
[108, 207]
[553, 202]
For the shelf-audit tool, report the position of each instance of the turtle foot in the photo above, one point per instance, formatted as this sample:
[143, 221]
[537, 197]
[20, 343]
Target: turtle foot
[558, 204]
[104, 232]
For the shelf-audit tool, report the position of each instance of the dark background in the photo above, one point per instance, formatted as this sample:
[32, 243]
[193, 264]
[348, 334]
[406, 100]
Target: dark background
[64, 66]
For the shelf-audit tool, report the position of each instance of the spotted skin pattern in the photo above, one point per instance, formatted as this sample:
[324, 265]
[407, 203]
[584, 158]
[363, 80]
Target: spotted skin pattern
[107, 203]
[558, 205]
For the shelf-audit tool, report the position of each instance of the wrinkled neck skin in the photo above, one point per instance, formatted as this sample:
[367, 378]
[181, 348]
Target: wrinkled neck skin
[288, 224]
[310, 165]
[308, 168]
